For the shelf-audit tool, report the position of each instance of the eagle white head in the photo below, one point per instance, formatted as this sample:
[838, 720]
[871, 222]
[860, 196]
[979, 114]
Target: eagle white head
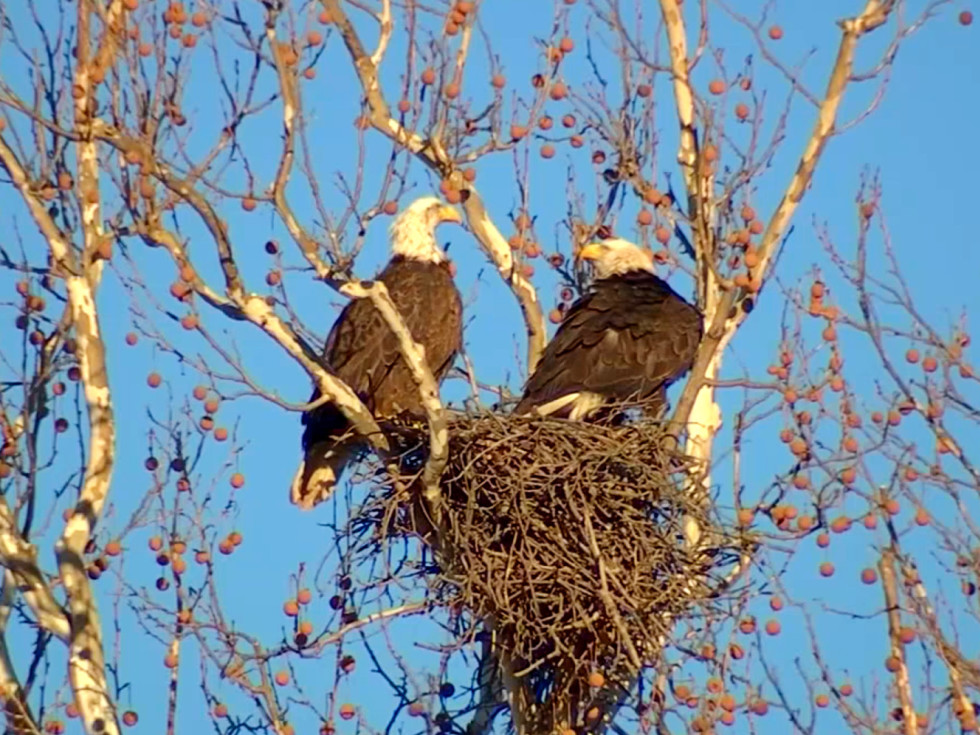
[413, 233]
[615, 257]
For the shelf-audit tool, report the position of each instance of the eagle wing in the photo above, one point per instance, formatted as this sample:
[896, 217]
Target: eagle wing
[628, 338]
[363, 352]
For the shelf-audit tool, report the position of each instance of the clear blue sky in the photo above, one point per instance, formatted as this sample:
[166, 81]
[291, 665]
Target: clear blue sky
[918, 139]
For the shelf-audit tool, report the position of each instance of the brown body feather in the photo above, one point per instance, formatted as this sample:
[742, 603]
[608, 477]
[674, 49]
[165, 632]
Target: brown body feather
[363, 352]
[627, 339]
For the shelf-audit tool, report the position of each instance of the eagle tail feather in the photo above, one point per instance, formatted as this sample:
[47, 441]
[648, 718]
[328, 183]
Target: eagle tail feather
[575, 406]
[319, 472]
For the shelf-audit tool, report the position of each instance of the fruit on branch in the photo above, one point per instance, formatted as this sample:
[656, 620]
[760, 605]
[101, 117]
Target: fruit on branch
[775, 33]
[716, 86]
[742, 111]
[745, 516]
[428, 75]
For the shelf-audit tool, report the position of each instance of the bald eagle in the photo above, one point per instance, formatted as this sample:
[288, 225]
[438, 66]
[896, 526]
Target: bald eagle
[363, 352]
[627, 339]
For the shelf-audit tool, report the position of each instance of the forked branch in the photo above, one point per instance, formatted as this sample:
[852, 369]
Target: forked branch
[431, 152]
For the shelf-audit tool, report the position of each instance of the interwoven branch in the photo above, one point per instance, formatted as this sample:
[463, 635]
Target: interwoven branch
[566, 538]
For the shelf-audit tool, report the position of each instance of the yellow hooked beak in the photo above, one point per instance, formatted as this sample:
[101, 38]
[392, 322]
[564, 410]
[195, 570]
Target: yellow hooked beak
[592, 251]
[450, 214]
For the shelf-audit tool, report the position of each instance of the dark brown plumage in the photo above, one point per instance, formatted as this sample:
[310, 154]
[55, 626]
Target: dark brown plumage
[627, 339]
[363, 352]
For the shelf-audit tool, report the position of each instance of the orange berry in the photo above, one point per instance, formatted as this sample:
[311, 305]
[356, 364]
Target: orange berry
[282, 677]
[846, 689]
[821, 700]
[547, 150]
[893, 663]
[912, 356]
[775, 33]
[347, 711]
[826, 569]
[906, 635]
[498, 81]
[428, 75]
[840, 524]
[965, 17]
[716, 86]
[153, 380]
[596, 679]
[220, 709]
[130, 718]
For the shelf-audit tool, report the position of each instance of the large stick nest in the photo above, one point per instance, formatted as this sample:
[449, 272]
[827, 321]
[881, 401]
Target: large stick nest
[567, 538]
